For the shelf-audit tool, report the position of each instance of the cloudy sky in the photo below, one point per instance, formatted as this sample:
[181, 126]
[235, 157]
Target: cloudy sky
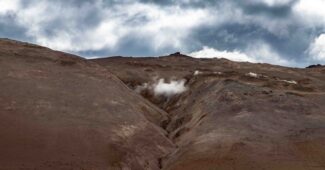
[283, 32]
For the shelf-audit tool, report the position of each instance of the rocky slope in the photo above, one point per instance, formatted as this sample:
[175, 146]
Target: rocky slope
[235, 115]
[59, 111]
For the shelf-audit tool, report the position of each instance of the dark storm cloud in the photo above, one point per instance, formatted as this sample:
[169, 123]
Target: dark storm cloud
[10, 29]
[156, 27]
[159, 2]
[240, 36]
[229, 36]
[262, 9]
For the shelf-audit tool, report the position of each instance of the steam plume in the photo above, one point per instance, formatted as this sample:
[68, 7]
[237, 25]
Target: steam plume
[169, 89]
[162, 88]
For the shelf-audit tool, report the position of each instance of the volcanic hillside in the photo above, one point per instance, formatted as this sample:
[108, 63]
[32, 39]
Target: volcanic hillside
[234, 115]
[59, 111]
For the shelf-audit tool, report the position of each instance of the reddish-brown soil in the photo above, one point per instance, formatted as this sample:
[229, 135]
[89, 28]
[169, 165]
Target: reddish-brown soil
[231, 120]
[58, 111]
[61, 112]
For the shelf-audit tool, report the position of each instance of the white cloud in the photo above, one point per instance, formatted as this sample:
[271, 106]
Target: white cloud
[256, 53]
[317, 48]
[164, 27]
[311, 11]
[263, 53]
[35, 19]
[208, 52]
[106, 35]
[8, 6]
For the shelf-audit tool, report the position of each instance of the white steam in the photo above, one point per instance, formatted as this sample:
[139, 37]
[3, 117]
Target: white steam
[169, 89]
[289, 81]
[251, 74]
[162, 88]
[197, 72]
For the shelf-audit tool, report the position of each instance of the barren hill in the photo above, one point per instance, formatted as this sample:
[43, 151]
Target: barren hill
[234, 115]
[59, 111]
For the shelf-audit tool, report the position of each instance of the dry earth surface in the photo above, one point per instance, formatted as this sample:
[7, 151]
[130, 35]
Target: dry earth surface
[61, 112]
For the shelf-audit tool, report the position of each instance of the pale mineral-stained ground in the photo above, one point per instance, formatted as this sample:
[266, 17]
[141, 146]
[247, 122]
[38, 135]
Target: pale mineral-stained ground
[62, 112]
